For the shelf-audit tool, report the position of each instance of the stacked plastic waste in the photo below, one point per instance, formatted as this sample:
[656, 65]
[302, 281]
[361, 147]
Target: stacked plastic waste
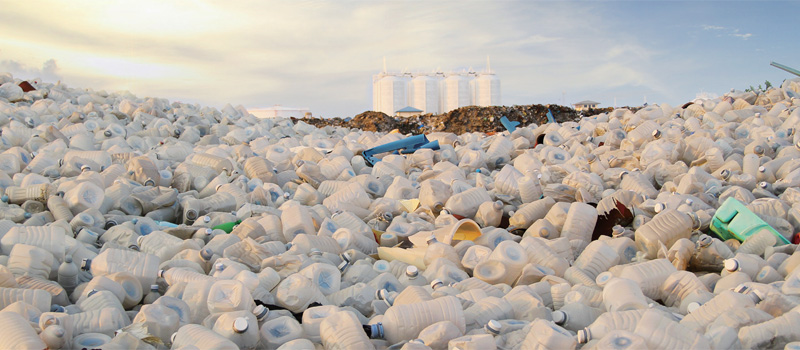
[133, 222]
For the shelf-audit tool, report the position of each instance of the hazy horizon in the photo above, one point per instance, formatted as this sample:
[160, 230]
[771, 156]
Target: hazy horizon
[322, 55]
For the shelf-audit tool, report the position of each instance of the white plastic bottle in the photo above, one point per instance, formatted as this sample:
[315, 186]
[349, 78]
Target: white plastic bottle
[703, 315]
[193, 335]
[575, 316]
[401, 322]
[16, 333]
[240, 327]
[609, 321]
[621, 294]
[663, 333]
[666, 227]
[342, 330]
[160, 321]
[546, 335]
[597, 257]
[649, 275]
[580, 222]
[280, 330]
[229, 295]
[142, 266]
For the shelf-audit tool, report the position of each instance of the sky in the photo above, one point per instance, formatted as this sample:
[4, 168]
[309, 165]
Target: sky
[322, 54]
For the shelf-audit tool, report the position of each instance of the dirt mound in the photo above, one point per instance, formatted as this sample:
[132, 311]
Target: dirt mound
[458, 121]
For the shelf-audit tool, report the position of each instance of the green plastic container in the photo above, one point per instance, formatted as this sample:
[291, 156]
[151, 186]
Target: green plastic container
[734, 220]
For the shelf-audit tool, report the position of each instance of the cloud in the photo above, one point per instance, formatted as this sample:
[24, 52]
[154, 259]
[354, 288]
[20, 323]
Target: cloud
[48, 72]
[742, 36]
[710, 27]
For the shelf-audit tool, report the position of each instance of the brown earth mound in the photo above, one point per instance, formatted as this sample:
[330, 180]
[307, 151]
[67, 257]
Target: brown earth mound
[459, 121]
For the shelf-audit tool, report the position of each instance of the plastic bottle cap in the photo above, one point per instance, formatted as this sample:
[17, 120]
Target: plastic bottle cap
[436, 283]
[161, 273]
[726, 174]
[704, 241]
[139, 240]
[689, 201]
[758, 150]
[731, 265]
[584, 335]
[376, 331]
[412, 271]
[206, 219]
[432, 239]
[261, 312]
[494, 327]
[742, 288]
[762, 169]
[656, 134]
[559, 317]
[86, 264]
[219, 266]
[660, 207]
[206, 254]
[693, 306]
[342, 265]
[154, 288]
[314, 252]
[240, 325]
[92, 292]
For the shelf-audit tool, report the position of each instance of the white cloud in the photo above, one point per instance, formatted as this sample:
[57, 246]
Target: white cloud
[710, 27]
[742, 36]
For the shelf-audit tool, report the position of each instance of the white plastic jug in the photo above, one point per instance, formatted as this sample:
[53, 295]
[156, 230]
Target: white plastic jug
[342, 330]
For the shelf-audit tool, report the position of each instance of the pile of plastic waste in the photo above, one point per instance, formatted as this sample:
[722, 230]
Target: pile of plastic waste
[132, 222]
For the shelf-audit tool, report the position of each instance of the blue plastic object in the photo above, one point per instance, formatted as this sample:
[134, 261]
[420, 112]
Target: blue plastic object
[734, 220]
[550, 118]
[165, 224]
[412, 142]
[434, 145]
[509, 125]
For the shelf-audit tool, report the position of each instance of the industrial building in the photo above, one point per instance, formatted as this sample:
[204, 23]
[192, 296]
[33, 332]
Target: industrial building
[436, 92]
[278, 111]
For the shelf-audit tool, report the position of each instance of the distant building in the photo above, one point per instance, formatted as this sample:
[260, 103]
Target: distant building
[586, 104]
[408, 112]
[278, 111]
[436, 92]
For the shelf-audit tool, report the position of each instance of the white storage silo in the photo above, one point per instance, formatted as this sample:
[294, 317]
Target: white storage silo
[425, 93]
[487, 90]
[458, 92]
[390, 93]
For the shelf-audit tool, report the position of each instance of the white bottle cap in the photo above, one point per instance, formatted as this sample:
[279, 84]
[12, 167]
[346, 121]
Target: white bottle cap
[240, 325]
[693, 306]
[261, 312]
[154, 288]
[559, 317]
[412, 271]
[436, 283]
[731, 265]
[494, 327]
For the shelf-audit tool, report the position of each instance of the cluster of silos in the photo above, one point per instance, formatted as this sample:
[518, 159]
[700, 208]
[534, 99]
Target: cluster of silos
[434, 92]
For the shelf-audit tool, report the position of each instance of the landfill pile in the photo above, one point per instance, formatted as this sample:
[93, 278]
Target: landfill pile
[458, 121]
[132, 222]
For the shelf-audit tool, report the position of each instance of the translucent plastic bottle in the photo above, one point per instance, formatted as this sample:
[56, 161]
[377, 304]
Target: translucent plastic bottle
[664, 333]
[580, 222]
[16, 333]
[621, 294]
[666, 227]
[702, 316]
[240, 327]
[280, 330]
[402, 322]
[142, 266]
[342, 330]
[193, 335]
[547, 335]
